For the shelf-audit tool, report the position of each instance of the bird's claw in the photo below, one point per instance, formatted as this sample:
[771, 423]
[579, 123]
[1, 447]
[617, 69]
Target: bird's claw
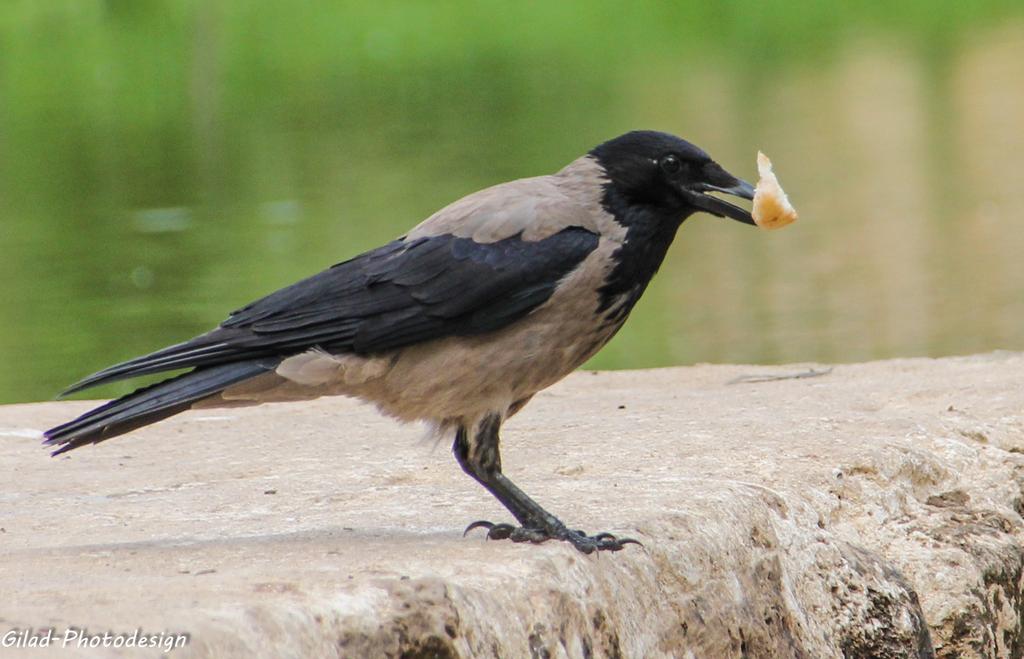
[479, 524]
[587, 544]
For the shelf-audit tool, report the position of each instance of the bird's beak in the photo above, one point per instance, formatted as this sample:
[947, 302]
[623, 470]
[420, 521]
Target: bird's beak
[720, 207]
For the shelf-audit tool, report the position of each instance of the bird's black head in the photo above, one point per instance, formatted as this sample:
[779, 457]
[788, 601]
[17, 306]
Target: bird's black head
[668, 175]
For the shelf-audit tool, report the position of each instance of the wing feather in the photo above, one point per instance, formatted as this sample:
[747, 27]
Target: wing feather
[406, 292]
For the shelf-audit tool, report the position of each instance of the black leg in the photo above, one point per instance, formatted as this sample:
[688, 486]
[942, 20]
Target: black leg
[479, 456]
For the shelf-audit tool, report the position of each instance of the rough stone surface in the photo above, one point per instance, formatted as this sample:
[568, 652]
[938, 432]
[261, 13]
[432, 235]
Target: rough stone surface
[871, 512]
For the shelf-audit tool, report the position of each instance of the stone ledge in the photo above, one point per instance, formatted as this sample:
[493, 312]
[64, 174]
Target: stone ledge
[870, 512]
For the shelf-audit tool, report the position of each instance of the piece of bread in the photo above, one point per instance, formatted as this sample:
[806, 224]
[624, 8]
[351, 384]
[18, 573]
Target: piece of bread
[772, 209]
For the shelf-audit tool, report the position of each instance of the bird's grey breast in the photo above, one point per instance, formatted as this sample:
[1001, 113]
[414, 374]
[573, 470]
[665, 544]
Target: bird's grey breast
[461, 376]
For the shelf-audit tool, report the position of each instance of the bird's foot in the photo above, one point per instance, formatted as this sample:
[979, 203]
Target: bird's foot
[587, 544]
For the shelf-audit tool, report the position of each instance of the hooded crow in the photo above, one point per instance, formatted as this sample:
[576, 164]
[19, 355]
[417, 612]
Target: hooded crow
[459, 322]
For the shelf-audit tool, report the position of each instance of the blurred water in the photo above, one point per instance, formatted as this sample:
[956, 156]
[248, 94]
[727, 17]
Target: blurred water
[162, 163]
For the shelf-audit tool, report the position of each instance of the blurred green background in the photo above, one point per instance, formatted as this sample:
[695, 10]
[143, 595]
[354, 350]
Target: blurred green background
[165, 161]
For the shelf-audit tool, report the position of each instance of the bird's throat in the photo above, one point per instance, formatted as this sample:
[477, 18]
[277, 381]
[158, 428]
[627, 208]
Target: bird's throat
[647, 240]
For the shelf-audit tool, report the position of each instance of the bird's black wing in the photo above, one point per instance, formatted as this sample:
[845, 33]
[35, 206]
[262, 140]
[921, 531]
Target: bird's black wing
[405, 292]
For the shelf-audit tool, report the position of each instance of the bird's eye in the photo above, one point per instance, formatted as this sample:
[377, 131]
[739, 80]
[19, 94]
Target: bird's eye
[671, 165]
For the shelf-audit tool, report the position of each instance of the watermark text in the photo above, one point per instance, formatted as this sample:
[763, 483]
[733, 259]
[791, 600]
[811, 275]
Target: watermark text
[82, 638]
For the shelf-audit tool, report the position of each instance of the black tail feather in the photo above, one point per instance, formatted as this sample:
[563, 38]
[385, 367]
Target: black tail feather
[194, 353]
[151, 404]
